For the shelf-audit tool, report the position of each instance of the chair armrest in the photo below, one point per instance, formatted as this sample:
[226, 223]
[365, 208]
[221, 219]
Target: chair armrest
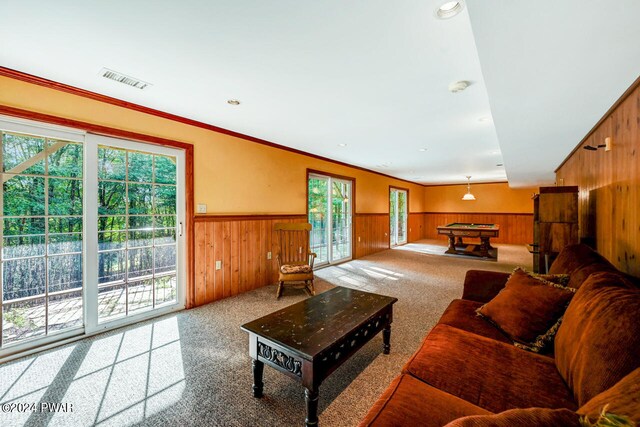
[312, 258]
[482, 286]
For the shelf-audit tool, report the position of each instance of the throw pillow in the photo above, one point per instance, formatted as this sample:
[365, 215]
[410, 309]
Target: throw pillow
[539, 417]
[528, 309]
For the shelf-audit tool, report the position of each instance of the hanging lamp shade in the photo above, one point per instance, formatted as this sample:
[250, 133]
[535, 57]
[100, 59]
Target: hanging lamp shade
[468, 196]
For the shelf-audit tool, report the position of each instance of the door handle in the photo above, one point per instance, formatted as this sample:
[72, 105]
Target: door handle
[180, 229]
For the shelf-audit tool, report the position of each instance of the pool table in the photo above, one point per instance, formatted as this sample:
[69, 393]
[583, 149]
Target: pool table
[457, 230]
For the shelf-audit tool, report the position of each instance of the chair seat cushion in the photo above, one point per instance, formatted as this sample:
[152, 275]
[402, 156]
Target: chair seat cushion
[493, 375]
[462, 314]
[295, 269]
[410, 402]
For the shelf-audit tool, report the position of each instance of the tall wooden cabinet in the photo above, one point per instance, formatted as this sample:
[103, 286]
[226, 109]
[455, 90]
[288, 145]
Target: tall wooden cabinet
[555, 224]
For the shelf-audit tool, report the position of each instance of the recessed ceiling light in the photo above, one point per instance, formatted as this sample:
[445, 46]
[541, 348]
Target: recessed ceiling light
[484, 119]
[449, 10]
[233, 102]
[458, 86]
[342, 145]
[422, 149]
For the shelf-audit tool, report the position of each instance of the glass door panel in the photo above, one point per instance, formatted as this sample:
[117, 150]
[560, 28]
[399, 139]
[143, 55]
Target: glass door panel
[340, 220]
[137, 218]
[41, 261]
[398, 216]
[330, 217]
[319, 218]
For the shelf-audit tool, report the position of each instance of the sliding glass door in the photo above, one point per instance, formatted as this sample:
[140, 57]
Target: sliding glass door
[398, 216]
[330, 214]
[91, 232]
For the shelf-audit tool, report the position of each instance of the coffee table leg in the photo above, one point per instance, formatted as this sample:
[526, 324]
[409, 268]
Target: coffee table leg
[311, 399]
[386, 339]
[258, 368]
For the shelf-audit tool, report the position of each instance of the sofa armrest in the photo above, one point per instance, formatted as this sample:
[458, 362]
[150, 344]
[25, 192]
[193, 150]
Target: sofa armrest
[482, 286]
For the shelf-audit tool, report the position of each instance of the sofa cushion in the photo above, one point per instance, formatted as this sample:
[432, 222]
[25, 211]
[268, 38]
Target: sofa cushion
[493, 375]
[579, 262]
[528, 309]
[622, 399]
[410, 402]
[598, 342]
[528, 417]
[462, 314]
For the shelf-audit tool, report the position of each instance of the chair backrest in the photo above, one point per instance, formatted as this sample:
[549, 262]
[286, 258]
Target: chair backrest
[293, 240]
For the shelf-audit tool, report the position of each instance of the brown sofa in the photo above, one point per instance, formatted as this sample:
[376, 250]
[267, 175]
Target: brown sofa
[465, 367]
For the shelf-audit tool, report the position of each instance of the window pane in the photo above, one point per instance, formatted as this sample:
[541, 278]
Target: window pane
[65, 311]
[140, 167]
[22, 246]
[65, 196]
[165, 199]
[140, 238]
[21, 320]
[23, 196]
[111, 163]
[165, 289]
[140, 262]
[65, 159]
[165, 236]
[140, 295]
[140, 222]
[165, 221]
[108, 240]
[165, 258]
[112, 302]
[112, 198]
[140, 201]
[111, 266]
[65, 225]
[65, 272]
[110, 223]
[23, 278]
[17, 150]
[165, 170]
[65, 243]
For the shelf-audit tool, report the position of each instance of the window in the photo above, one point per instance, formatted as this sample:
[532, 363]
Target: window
[90, 231]
[330, 214]
[398, 215]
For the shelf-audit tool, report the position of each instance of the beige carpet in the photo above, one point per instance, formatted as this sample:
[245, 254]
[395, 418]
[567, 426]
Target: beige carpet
[192, 368]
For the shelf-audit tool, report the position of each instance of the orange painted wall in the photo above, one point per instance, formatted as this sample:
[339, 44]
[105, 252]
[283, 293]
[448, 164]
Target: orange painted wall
[494, 198]
[232, 175]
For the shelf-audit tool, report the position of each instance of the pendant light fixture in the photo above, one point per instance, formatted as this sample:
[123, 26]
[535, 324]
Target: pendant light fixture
[468, 196]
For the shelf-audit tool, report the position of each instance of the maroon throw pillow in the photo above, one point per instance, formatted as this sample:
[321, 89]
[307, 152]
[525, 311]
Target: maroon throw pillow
[528, 309]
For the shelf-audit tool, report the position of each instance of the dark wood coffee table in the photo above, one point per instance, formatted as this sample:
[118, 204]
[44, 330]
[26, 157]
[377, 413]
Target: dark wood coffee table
[311, 339]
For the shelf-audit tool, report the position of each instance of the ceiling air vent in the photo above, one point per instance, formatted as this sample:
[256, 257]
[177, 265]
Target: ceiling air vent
[124, 79]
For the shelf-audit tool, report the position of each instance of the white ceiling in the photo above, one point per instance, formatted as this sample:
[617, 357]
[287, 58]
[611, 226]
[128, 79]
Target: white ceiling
[372, 74]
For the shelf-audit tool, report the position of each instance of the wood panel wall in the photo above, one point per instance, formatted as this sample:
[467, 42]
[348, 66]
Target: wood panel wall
[416, 226]
[242, 244]
[609, 193]
[515, 228]
[371, 233]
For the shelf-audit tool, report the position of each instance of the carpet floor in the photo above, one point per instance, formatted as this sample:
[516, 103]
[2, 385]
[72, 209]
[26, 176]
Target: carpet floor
[192, 368]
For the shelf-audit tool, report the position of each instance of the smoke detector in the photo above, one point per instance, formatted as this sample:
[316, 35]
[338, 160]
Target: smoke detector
[458, 86]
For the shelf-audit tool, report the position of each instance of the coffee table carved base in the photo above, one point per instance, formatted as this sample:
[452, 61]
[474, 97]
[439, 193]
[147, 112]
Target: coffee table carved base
[328, 354]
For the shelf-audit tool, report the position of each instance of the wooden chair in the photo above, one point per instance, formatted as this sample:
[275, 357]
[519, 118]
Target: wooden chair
[295, 259]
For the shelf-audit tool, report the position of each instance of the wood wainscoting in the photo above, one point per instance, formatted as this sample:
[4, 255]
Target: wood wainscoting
[241, 243]
[371, 233]
[609, 183]
[515, 228]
